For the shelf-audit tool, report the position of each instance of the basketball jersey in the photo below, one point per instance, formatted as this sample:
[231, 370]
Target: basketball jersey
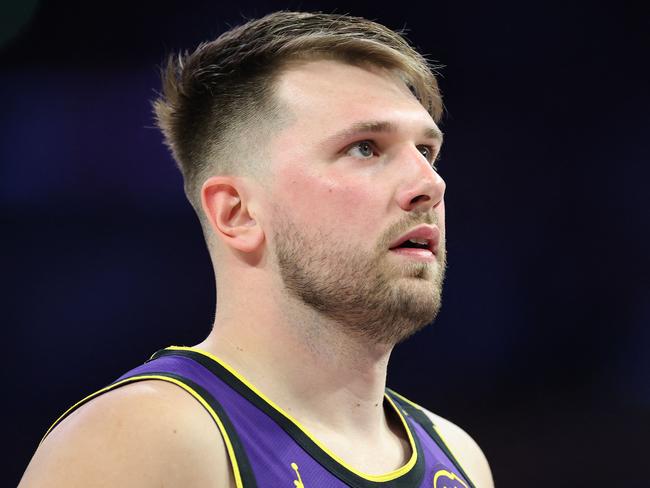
[270, 449]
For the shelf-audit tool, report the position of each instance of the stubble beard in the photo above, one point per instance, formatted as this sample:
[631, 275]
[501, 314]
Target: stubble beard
[371, 297]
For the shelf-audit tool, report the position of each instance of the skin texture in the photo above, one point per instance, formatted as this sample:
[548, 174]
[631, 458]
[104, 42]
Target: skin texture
[310, 300]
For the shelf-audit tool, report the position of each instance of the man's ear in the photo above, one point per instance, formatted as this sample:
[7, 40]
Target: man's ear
[226, 205]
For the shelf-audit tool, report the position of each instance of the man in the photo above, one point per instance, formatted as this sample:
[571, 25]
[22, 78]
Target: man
[308, 145]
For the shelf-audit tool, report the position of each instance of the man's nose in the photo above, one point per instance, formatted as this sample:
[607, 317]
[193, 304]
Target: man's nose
[422, 188]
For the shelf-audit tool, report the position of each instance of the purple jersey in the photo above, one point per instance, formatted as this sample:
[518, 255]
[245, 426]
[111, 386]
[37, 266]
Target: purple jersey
[270, 449]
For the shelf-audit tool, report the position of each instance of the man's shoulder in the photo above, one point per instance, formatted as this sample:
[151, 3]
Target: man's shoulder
[466, 450]
[142, 434]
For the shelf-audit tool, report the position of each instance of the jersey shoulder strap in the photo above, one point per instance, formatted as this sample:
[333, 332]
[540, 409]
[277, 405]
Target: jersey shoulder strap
[417, 413]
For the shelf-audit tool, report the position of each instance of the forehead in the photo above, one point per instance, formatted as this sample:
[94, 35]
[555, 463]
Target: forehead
[325, 96]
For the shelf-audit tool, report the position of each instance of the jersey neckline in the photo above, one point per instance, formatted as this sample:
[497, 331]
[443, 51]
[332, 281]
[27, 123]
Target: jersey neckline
[412, 470]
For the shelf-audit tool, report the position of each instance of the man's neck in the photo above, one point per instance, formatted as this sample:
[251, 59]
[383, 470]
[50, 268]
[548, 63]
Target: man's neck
[309, 367]
[329, 381]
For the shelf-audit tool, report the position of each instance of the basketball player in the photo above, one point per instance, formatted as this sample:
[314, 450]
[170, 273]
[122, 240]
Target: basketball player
[308, 146]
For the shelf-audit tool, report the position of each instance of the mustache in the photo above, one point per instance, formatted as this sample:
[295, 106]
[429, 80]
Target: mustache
[405, 224]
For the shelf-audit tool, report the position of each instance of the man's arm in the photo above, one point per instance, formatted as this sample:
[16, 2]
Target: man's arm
[466, 450]
[146, 434]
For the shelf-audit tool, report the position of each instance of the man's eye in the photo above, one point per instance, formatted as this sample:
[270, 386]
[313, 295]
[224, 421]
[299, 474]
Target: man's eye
[363, 149]
[427, 152]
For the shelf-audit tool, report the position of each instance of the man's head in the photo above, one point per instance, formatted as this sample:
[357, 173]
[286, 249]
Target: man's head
[334, 117]
[220, 101]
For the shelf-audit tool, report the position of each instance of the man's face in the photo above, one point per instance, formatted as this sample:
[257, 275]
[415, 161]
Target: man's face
[352, 176]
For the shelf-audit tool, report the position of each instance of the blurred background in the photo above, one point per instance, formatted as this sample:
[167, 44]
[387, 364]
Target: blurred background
[541, 351]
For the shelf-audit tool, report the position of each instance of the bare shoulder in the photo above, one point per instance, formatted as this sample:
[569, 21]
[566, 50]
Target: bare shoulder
[149, 433]
[465, 449]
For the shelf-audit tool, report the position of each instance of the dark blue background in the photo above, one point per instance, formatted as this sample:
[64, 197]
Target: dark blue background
[541, 350]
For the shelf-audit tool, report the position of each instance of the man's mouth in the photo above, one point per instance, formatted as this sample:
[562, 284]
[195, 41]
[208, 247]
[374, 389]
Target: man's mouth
[422, 240]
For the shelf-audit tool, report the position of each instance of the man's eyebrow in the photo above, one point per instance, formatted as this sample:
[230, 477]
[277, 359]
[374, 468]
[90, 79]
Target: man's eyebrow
[434, 133]
[377, 126]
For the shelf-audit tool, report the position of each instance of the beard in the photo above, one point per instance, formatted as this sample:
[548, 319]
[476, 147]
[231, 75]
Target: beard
[369, 295]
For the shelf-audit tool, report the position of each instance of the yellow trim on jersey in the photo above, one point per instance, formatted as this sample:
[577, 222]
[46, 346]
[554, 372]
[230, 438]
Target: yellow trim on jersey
[213, 414]
[370, 477]
[442, 438]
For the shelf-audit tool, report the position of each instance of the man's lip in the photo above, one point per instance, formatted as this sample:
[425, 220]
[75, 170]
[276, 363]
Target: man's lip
[429, 232]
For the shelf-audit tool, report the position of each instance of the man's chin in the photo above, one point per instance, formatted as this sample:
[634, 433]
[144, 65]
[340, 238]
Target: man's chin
[423, 282]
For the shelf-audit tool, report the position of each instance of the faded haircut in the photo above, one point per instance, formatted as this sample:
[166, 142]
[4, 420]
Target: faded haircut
[218, 104]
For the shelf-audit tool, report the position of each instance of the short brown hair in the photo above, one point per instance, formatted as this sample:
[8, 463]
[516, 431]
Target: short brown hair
[225, 87]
